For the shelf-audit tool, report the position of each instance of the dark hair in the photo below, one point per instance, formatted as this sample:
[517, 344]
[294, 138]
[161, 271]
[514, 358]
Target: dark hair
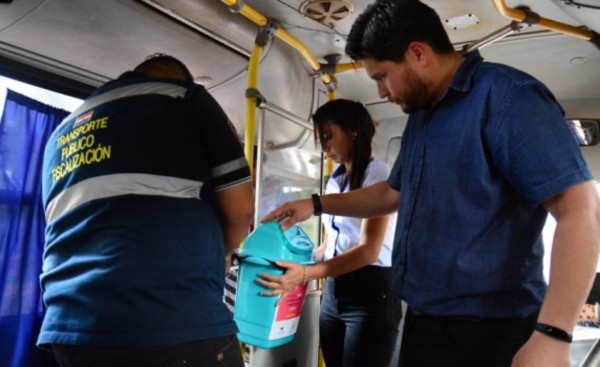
[352, 117]
[163, 60]
[386, 28]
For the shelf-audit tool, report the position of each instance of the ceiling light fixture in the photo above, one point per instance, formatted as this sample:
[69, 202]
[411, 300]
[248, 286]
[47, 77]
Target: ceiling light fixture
[579, 60]
[462, 21]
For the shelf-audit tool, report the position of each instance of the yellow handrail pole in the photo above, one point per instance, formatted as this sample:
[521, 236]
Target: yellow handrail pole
[522, 16]
[321, 360]
[328, 167]
[280, 33]
[286, 37]
[331, 95]
[251, 104]
[348, 66]
[248, 12]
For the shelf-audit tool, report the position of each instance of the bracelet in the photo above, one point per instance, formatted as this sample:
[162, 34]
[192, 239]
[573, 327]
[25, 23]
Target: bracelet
[304, 280]
[318, 208]
[554, 332]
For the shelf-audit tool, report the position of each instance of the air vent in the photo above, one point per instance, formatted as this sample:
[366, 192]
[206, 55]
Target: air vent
[327, 11]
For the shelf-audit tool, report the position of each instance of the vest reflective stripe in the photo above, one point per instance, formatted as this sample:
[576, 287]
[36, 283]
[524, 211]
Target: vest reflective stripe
[229, 167]
[166, 89]
[108, 186]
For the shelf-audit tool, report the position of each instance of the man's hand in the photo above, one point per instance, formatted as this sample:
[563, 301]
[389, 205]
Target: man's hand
[291, 213]
[542, 351]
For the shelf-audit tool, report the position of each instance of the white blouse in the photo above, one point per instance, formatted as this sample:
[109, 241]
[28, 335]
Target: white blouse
[343, 233]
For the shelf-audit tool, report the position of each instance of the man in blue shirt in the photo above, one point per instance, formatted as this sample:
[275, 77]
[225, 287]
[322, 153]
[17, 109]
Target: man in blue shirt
[485, 156]
[146, 191]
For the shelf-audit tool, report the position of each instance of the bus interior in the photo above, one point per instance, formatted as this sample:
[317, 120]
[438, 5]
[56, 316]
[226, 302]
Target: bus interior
[271, 63]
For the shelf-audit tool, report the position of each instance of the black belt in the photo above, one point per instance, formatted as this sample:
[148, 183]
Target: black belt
[469, 319]
[457, 318]
[369, 282]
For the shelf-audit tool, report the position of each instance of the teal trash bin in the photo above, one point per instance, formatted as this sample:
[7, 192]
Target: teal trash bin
[261, 322]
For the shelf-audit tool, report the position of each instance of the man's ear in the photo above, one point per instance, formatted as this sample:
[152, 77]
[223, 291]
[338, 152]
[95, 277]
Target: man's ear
[418, 52]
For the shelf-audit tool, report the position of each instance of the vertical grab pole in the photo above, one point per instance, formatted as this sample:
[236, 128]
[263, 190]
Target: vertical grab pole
[253, 100]
[251, 103]
[258, 173]
[327, 170]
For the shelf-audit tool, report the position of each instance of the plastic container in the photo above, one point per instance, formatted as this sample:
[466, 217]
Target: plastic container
[261, 322]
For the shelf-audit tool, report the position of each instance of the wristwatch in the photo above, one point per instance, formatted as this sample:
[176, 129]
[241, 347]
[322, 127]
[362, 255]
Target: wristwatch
[318, 208]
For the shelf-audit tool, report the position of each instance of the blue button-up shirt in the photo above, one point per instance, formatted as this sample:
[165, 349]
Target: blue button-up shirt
[473, 172]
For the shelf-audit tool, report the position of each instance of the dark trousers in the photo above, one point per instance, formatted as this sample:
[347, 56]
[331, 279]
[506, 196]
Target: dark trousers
[358, 331]
[435, 341]
[219, 352]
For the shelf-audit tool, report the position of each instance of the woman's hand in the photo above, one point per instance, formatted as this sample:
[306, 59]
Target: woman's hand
[282, 284]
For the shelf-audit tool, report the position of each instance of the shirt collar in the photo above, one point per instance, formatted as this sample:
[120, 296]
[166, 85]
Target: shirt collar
[464, 75]
[339, 171]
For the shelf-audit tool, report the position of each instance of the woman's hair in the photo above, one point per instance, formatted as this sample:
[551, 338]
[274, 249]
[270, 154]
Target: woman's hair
[354, 119]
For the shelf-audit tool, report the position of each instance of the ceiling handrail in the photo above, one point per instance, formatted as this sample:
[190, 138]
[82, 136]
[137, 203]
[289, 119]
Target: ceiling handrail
[526, 16]
[348, 66]
[282, 34]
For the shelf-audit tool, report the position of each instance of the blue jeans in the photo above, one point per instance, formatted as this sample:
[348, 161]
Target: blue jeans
[218, 352]
[358, 331]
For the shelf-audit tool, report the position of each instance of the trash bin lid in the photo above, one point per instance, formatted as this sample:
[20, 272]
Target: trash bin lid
[270, 242]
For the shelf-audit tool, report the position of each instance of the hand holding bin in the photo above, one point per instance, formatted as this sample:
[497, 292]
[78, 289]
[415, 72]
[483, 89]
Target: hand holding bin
[260, 320]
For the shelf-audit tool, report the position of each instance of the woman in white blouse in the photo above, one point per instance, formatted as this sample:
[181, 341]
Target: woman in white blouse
[359, 314]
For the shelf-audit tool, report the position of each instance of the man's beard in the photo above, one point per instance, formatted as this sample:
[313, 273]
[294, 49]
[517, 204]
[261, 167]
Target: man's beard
[419, 95]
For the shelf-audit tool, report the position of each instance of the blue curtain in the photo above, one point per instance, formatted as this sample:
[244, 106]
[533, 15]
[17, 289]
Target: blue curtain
[25, 127]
